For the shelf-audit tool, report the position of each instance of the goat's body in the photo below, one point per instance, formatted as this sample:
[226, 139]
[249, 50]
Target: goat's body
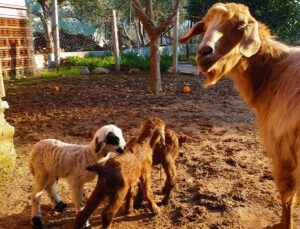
[270, 83]
[267, 74]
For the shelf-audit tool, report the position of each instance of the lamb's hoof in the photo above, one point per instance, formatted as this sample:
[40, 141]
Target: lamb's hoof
[37, 222]
[60, 206]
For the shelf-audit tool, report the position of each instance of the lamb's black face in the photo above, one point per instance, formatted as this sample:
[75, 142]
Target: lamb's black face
[112, 139]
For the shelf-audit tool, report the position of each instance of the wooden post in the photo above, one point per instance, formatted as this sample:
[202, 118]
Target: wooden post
[175, 43]
[55, 30]
[115, 40]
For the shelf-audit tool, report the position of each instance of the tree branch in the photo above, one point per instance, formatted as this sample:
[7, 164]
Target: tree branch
[148, 23]
[170, 20]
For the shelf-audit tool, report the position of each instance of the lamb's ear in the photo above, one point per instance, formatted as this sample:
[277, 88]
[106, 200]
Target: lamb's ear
[195, 30]
[251, 42]
[98, 145]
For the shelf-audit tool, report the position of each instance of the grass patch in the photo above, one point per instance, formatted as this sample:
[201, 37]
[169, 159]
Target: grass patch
[130, 60]
[62, 71]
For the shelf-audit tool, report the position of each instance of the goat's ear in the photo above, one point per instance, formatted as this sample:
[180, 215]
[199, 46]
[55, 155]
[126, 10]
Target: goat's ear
[251, 42]
[195, 30]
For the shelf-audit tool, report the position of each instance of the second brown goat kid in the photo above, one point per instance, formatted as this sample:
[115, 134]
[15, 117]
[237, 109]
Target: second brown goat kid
[164, 155]
[118, 177]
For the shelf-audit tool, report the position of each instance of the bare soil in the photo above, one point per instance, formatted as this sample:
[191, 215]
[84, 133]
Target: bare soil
[224, 177]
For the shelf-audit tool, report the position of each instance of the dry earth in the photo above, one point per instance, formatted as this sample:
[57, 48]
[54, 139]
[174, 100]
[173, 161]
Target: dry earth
[224, 178]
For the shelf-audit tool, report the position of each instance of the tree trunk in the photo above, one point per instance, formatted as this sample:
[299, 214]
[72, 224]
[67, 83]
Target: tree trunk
[155, 85]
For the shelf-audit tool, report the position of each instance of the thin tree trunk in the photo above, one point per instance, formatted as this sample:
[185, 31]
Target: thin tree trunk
[155, 85]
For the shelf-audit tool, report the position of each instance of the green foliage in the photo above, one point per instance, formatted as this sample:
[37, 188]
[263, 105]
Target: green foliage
[62, 71]
[282, 16]
[131, 60]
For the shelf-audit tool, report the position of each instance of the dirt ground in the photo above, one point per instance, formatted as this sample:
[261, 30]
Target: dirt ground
[224, 178]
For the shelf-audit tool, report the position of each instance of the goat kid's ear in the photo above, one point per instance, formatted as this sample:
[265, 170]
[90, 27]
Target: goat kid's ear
[195, 30]
[251, 42]
[162, 136]
[93, 168]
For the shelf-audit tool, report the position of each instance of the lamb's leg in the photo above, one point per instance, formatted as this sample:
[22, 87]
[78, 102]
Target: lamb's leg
[112, 208]
[169, 167]
[55, 198]
[37, 191]
[286, 183]
[76, 194]
[147, 190]
[92, 203]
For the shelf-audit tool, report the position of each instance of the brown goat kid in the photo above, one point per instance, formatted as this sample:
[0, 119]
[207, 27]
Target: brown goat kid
[118, 177]
[165, 155]
[267, 74]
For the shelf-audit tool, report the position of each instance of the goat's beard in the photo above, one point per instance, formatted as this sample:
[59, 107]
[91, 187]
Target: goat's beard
[218, 69]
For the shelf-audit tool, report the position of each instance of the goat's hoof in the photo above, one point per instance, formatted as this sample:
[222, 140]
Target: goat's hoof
[37, 222]
[60, 206]
[278, 226]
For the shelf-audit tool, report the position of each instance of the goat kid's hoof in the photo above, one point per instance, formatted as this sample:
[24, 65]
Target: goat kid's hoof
[60, 206]
[37, 222]
[156, 210]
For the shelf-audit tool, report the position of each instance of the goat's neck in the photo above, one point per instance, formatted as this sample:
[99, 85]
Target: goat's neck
[253, 75]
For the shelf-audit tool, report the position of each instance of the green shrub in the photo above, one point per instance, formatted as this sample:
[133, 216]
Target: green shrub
[62, 71]
[131, 60]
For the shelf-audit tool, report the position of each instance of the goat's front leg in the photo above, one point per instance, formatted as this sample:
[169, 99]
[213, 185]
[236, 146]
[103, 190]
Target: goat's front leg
[147, 190]
[92, 203]
[286, 183]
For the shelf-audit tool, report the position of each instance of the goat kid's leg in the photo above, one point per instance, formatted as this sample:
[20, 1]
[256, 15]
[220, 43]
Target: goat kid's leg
[129, 200]
[113, 206]
[139, 197]
[76, 194]
[170, 170]
[147, 190]
[59, 206]
[92, 203]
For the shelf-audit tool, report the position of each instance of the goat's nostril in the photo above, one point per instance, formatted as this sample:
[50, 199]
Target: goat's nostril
[205, 51]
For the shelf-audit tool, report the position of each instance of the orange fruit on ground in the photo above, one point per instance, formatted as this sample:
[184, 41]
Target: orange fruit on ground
[55, 88]
[186, 89]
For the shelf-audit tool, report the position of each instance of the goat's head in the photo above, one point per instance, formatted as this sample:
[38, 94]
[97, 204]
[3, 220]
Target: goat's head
[155, 128]
[229, 32]
[108, 139]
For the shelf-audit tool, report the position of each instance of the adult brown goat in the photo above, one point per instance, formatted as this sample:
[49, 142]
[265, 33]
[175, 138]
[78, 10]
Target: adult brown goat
[267, 74]
[118, 177]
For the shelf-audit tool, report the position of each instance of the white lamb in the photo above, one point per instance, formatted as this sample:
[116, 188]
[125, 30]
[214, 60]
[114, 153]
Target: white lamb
[51, 159]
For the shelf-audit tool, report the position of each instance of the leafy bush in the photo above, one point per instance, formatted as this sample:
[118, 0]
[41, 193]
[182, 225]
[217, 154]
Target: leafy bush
[131, 60]
[62, 71]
